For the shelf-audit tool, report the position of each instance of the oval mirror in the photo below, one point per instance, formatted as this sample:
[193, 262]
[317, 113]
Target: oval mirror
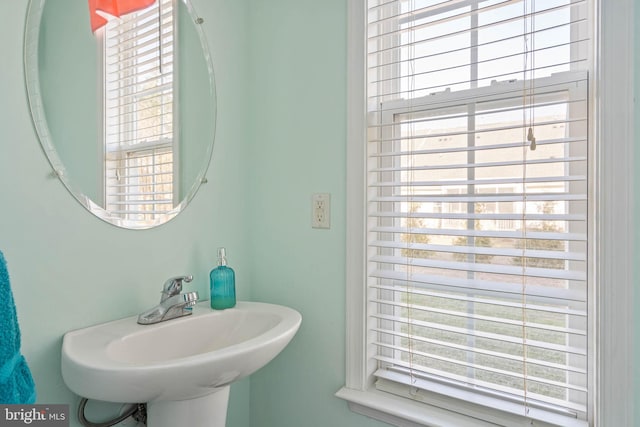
[123, 103]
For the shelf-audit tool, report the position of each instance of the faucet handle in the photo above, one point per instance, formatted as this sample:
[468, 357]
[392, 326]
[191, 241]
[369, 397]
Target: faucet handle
[173, 286]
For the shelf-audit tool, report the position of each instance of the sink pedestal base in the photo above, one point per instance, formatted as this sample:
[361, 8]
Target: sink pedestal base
[205, 411]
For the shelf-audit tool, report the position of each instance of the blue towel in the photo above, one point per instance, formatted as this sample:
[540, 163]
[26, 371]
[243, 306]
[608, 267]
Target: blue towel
[16, 383]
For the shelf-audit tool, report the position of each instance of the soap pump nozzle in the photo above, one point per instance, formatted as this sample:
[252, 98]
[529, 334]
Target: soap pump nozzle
[222, 256]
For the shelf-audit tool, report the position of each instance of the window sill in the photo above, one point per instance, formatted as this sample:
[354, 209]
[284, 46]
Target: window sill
[402, 412]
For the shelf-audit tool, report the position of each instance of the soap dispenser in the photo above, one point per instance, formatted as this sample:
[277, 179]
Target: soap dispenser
[223, 283]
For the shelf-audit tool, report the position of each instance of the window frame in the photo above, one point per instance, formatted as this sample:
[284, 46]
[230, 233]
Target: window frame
[612, 113]
[570, 86]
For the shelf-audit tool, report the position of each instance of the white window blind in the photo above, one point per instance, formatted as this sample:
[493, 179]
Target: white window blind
[478, 186]
[139, 125]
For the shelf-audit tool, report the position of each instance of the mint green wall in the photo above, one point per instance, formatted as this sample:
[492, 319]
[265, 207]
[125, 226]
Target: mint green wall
[68, 268]
[298, 99]
[636, 373]
[195, 111]
[68, 63]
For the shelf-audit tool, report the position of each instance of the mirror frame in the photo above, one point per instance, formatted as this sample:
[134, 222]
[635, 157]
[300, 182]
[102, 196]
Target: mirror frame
[32, 82]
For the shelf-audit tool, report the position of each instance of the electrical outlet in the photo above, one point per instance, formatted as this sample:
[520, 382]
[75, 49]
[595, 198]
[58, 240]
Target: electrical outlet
[321, 210]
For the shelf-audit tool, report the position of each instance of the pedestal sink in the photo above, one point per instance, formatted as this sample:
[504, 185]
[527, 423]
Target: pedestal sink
[181, 368]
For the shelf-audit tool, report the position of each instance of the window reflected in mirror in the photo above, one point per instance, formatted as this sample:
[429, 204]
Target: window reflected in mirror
[139, 142]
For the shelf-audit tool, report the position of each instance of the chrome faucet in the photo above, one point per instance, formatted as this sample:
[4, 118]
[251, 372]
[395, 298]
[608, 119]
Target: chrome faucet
[173, 303]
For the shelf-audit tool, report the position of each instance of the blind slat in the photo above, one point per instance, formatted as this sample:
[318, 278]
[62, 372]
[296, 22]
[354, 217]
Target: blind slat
[526, 217]
[136, 202]
[548, 273]
[512, 252]
[135, 214]
[489, 288]
[478, 182]
[578, 237]
[480, 165]
[562, 307]
[483, 197]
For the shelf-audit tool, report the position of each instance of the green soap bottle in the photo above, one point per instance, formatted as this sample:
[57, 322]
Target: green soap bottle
[222, 280]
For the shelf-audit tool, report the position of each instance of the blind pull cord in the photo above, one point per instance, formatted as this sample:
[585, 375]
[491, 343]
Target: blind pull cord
[160, 38]
[532, 139]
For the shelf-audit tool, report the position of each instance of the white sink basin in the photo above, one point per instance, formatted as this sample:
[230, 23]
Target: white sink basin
[177, 360]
